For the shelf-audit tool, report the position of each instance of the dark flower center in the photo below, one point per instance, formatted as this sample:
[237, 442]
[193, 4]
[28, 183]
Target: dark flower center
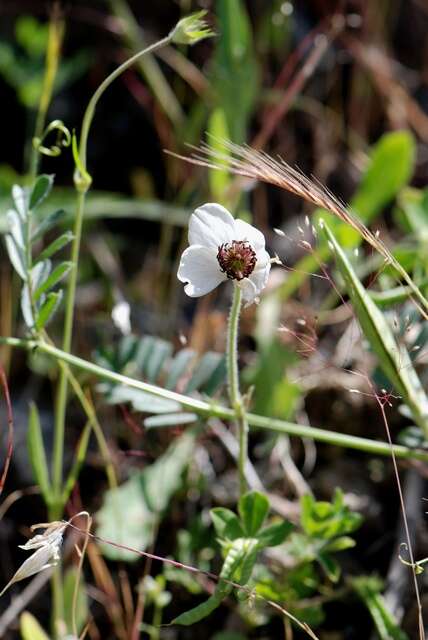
[237, 259]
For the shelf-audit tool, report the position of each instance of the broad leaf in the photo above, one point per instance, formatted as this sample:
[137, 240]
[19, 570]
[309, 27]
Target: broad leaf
[226, 523]
[253, 508]
[130, 514]
[274, 534]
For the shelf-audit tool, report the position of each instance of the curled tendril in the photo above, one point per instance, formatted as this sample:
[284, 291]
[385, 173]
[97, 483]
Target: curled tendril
[416, 566]
[62, 140]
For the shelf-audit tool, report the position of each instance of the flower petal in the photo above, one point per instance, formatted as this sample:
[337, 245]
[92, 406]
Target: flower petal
[255, 283]
[200, 269]
[245, 231]
[263, 258]
[211, 225]
[249, 292]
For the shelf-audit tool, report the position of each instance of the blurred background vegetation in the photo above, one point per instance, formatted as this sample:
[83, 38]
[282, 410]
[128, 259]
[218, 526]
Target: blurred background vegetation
[339, 89]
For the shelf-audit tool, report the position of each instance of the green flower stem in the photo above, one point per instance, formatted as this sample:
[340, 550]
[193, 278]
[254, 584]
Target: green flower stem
[133, 36]
[207, 409]
[82, 182]
[57, 602]
[61, 397]
[90, 109]
[236, 401]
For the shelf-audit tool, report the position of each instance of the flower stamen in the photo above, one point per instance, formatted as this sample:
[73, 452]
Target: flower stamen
[237, 259]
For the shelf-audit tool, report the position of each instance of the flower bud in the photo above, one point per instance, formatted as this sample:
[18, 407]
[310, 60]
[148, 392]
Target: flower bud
[191, 29]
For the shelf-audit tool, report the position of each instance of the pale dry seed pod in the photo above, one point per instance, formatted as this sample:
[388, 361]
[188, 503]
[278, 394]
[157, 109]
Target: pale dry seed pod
[47, 551]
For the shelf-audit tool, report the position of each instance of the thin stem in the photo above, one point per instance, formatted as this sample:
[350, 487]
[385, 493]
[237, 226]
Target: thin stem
[82, 185]
[232, 349]
[90, 109]
[89, 409]
[133, 36]
[61, 397]
[235, 397]
[57, 601]
[207, 409]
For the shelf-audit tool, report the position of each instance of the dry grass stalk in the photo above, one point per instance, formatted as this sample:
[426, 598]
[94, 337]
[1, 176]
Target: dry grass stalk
[258, 165]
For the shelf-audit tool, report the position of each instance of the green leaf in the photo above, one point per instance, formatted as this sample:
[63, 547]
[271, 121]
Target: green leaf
[179, 367]
[204, 369]
[270, 383]
[37, 454]
[226, 523]
[55, 246]
[161, 480]
[393, 358]
[330, 566]
[326, 520]
[79, 459]
[130, 514]
[170, 420]
[55, 277]
[41, 190]
[245, 570]
[235, 68]
[219, 179]
[340, 544]
[30, 629]
[253, 508]
[369, 589]
[39, 273]
[48, 309]
[16, 256]
[48, 223]
[392, 297]
[26, 309]
[201, 611]
[20, 199]
[82, 609]
[16, 230]
[125, 518]
[159, 353]
[412, 210]
[392, 162]
[239, 558]
[274, 534]
[140, 400]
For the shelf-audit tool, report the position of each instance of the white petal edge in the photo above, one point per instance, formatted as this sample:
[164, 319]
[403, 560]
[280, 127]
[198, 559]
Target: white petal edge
[211, 225]
[199, 268]
[245, 231]
[249, 292]
[255, 283]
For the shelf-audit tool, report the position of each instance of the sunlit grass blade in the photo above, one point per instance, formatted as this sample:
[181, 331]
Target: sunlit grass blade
[393, 358]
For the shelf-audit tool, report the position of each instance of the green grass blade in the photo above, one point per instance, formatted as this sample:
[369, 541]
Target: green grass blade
[393, 358]
[37, 454]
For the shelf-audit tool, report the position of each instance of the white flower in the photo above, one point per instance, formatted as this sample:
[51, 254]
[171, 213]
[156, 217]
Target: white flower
[221, 248]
